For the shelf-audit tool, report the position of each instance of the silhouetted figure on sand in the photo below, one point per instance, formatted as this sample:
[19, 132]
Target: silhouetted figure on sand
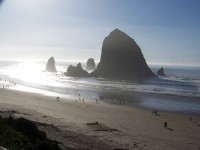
[190, 119]
[101, 97]
[165, 124]
[58, 98]
[155, 112]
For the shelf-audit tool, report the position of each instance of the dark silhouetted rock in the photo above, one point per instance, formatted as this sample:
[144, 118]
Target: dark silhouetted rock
[77, 71]
[90, 64]
[160, 72]
[51, 65]
[121, 58]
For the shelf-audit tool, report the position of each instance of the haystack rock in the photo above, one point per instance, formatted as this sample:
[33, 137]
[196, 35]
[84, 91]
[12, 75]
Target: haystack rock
[51, 65]
[77, 71]
[160, 72]
[121, 58]
[90, 64]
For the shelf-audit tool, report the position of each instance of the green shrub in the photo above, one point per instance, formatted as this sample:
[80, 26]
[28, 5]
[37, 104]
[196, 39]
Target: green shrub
[24, 135]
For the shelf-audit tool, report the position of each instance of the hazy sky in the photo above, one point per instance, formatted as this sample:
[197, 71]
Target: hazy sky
[168, 31]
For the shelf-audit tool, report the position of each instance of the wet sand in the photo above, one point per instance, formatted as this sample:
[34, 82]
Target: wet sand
[88, 124]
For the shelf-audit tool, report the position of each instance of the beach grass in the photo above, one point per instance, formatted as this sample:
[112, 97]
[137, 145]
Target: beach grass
[23, 134]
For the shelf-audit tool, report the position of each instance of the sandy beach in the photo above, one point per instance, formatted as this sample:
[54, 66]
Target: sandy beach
[103, 126]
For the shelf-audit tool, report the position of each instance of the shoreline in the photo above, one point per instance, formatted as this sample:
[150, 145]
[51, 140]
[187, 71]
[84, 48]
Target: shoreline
[134, 127]
[136, 99]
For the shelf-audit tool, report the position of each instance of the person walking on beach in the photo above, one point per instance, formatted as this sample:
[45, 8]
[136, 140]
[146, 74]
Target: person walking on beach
[57, 98]
[165, 124]
[190, 119]
[101, 98]
[155, 112]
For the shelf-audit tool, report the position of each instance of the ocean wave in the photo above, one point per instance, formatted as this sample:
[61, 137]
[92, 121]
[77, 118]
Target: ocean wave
[181, 82]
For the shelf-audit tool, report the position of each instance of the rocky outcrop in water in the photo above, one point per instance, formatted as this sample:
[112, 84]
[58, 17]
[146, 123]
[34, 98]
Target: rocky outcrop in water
[77, 71]
[121, 58]
[160, 72]
[50, 66]
[90, 64]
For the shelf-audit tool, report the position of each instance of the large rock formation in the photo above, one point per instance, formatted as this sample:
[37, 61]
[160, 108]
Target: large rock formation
[121, 58]
[90, 64]
[77, 71]
[160, 72]
[51, 65]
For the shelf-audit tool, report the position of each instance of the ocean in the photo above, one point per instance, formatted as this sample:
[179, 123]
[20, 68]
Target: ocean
[178, 91]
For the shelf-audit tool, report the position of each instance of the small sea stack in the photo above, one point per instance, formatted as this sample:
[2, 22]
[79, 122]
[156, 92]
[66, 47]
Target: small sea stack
[161, 72]
[122, 59]
[77, 71]
[90, 66]
[50, 66]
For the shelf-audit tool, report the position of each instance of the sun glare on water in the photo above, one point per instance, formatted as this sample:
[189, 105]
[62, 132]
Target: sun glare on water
[33, 73]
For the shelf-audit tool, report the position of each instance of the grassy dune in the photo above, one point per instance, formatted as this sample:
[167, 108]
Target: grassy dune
[23, 134]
